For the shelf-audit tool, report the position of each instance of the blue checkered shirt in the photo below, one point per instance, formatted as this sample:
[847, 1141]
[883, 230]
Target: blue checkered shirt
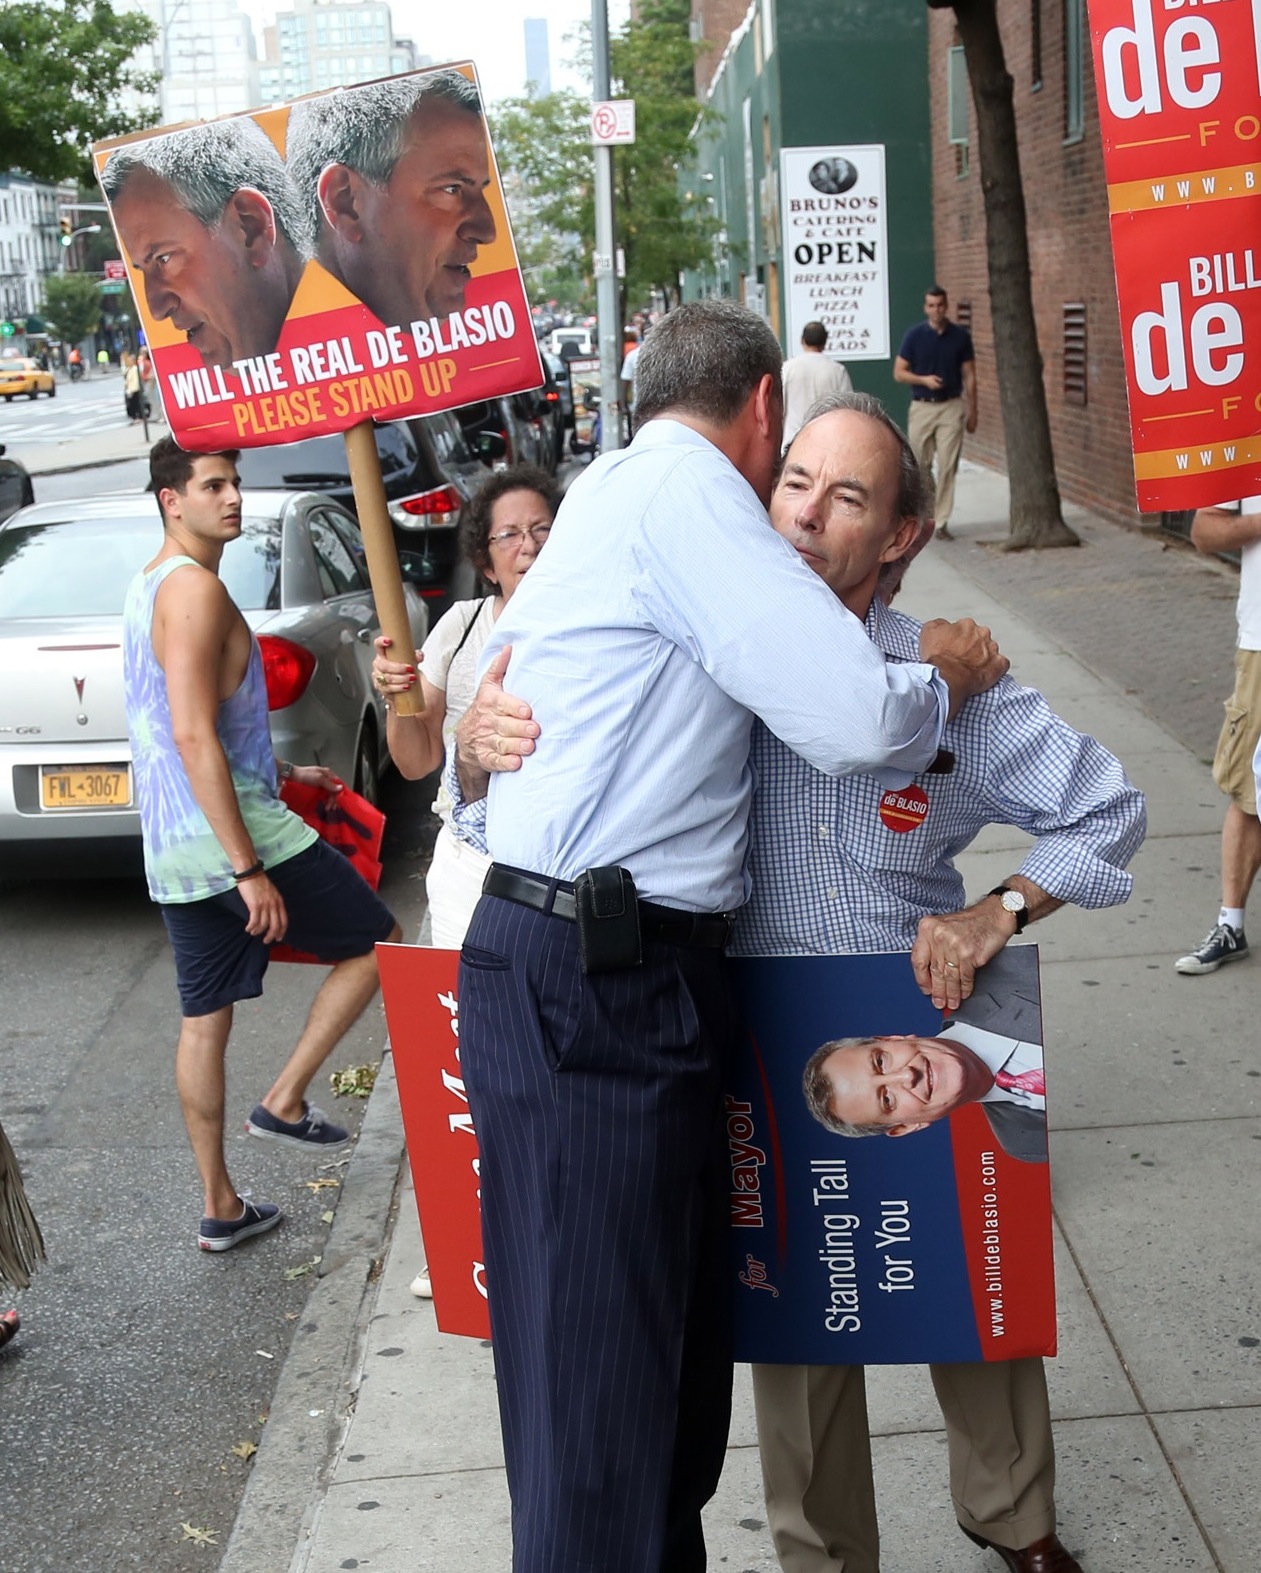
[829, 874]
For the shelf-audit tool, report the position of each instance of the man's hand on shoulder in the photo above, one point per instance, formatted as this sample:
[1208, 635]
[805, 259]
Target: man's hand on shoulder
[965, 654]
[495, 733]
[266, 906]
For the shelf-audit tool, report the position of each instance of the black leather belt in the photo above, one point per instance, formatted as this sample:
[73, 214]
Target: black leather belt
[702, 930]
[934, 398]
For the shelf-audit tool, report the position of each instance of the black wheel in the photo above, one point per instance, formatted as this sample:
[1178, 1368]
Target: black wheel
[52, 392]
[33, 395]
[367, 774]
[8, 398]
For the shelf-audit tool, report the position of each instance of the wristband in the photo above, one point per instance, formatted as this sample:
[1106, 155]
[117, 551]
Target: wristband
[251, 872]
[284, 769]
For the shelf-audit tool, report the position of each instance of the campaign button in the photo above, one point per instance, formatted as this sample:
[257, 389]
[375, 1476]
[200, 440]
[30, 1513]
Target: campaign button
[904, 809]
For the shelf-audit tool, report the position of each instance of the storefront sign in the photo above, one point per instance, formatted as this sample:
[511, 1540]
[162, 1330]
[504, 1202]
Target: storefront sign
[835, 251]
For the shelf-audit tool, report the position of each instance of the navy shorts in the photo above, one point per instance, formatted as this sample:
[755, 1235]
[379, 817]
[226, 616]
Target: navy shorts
[333, 914]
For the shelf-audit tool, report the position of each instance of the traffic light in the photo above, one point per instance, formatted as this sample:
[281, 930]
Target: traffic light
[67, 230]
[6, 330]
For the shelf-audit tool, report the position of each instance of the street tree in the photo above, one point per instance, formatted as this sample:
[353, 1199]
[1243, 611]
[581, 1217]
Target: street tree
[72, 305]
[1036, 516]
[544, 149]
[544, 145]
[63, 66]
[651, 61]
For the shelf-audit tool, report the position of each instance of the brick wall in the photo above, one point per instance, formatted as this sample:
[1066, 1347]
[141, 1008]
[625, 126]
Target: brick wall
[715, 21]
[1070, 255]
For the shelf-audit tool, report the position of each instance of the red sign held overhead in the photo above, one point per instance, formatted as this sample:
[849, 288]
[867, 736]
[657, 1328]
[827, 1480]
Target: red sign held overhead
[1180, 110]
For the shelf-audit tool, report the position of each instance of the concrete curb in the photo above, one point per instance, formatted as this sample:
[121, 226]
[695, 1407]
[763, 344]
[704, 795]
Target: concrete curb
[315, 1395]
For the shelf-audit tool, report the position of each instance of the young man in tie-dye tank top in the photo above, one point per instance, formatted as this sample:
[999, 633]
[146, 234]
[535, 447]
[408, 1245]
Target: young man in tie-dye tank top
[233, 870]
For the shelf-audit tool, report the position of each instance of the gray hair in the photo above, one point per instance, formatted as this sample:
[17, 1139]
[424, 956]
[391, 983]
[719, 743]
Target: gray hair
[705, 358]
[207, 165]
[818, 1092]
[363, 128]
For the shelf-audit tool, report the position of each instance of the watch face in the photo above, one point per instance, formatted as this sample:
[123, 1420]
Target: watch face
[1013, 900]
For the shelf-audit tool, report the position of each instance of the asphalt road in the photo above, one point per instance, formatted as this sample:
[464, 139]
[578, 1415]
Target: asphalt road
[80, 408]
[142, 1362]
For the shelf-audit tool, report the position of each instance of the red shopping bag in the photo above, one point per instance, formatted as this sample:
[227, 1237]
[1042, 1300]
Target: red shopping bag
[346, 821]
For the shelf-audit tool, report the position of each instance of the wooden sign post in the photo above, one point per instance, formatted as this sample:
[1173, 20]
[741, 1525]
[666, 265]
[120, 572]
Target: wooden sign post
[378, 542]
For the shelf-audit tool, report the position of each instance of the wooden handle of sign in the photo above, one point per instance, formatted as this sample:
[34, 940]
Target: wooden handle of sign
[378, 542]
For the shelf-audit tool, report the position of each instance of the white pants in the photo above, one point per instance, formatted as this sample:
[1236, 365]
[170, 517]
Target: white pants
[454, 887]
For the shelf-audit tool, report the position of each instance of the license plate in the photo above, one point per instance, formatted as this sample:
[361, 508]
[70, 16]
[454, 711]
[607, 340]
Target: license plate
[85, 786]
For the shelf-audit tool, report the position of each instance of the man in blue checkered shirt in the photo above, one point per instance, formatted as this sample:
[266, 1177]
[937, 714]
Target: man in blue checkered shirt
[845, 865]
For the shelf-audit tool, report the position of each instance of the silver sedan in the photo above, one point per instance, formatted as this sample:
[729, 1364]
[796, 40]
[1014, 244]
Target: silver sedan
[298, 574]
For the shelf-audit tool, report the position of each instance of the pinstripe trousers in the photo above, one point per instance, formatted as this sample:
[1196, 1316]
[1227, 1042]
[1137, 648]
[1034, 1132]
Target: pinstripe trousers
[597, 1105]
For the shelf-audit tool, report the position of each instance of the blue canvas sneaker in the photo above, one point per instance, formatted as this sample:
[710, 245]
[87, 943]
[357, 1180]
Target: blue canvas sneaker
[1221, 945]
[221, 1234]
[314, 1129]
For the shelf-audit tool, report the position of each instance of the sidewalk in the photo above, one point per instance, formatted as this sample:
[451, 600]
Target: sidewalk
[1157, 1390]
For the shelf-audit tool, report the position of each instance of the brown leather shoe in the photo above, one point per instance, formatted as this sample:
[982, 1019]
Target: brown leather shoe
[1047, 1555]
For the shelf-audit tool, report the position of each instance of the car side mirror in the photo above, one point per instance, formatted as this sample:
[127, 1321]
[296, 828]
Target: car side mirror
[490, 446]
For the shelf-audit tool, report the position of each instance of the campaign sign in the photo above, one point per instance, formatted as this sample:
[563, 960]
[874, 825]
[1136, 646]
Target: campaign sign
[307, 267]
[422, 1013]
[930, 1246]
[1179, 88]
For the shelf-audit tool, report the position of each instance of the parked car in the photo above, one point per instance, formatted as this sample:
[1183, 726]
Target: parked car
[579, 337]
[515, 421]
[558, 370]
[430, 470]
[16, 490]
[296, 571]
[549, 404]
[21, 374]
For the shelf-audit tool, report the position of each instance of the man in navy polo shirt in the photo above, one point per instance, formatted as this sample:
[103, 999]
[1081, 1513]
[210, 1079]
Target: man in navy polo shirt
[936, 362]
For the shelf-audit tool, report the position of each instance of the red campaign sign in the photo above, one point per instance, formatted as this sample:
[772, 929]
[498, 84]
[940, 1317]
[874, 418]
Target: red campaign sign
[310, 266]
[1179, 85]
[422, 1013]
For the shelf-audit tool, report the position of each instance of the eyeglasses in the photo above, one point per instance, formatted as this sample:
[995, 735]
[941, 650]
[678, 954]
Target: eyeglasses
[511, 540]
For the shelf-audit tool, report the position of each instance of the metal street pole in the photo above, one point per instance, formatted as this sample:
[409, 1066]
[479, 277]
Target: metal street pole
[609, 328]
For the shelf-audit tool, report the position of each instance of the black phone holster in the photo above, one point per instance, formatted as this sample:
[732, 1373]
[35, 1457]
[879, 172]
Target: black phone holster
[607, 913]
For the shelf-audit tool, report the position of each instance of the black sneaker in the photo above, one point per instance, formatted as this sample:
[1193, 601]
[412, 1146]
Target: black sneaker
[314, 1129]
[221, 1234]
[1223, 944]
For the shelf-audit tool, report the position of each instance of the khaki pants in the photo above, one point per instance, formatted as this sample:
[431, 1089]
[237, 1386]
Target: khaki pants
[816, 1459]
[936, 431]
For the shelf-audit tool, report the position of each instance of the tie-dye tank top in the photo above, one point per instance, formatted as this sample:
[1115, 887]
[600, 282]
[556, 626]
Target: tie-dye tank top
[183, 859]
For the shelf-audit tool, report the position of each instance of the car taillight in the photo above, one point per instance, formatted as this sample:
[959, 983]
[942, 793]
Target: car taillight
[442, 499]
[551, 397]
[287, 669]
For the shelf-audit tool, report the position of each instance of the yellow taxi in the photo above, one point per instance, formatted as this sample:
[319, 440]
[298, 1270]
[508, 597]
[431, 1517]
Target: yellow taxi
[20, 374]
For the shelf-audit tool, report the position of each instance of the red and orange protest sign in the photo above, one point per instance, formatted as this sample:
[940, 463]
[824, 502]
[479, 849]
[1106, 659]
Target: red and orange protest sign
[1179, 85]
[308, 267]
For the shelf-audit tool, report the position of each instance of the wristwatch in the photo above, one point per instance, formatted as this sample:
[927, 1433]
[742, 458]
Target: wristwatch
[1014, 903]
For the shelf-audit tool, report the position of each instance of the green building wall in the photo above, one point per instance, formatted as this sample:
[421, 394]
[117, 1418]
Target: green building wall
[836, 72]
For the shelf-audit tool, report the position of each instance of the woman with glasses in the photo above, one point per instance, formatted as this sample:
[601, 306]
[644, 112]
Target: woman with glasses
[502, 531]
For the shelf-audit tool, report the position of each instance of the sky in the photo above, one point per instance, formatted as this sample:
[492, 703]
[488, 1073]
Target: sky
[488, 32]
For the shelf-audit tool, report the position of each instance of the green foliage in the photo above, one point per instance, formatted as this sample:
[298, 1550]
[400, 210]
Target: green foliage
[651, 62]
[72, 305]
[544, 148]
[63, 64]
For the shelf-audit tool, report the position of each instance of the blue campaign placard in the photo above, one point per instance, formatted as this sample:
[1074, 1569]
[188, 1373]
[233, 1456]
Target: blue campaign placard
[930, 1246]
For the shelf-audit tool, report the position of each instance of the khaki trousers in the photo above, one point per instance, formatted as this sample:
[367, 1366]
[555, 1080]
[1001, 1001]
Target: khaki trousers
[936, 431]
[816, 1459]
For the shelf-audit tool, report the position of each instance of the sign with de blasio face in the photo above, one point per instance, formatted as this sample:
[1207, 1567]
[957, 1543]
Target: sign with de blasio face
[931, 1244]
[1179, 87]
[305, 268]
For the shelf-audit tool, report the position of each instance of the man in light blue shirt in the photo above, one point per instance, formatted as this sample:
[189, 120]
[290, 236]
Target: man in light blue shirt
[664, 616]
